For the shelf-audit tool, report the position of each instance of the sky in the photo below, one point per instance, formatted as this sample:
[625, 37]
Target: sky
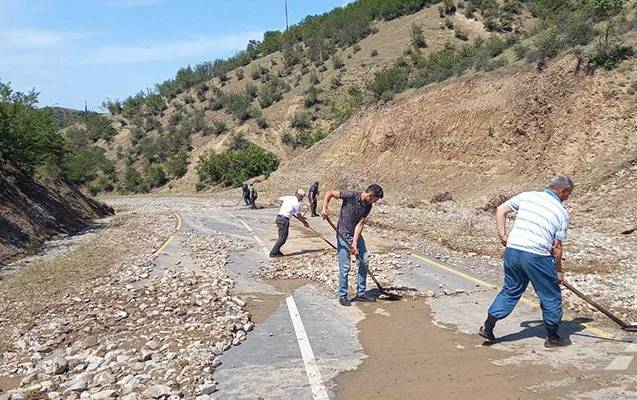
[71, 51]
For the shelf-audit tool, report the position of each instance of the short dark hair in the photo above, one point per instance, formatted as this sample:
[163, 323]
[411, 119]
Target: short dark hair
[376, 190]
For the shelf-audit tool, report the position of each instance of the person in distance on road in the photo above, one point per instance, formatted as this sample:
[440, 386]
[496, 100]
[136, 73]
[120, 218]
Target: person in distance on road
[533, 253]
[313, 197]
[253, 197]
[246, 193]
[290, 207]
[354, 211]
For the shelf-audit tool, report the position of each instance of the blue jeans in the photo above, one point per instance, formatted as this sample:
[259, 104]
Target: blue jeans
[344, 258]
[520, 267]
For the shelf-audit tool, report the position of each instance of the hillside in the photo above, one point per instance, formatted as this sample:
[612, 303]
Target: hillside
[33, 210]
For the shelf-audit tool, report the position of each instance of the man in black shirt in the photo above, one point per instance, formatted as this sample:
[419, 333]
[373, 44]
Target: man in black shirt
[313, 197]
[354, 211]
[246, 193]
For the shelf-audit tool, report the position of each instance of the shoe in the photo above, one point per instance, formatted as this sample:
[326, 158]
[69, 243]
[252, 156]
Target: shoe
[487, 334]
[365, 298]
[344, 301]
[553, 342]
[276, 255]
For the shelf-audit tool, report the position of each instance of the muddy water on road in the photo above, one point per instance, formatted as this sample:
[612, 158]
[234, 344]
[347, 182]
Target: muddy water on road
[263, 305]
[410, 358]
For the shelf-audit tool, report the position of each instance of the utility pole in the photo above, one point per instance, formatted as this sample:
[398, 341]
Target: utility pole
[286, 15]
[85, 111]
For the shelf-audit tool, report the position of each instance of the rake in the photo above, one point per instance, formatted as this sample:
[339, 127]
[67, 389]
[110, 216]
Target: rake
[624, 325]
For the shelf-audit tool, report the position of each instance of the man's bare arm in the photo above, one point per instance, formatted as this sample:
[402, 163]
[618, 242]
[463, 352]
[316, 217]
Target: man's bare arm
[357, 234]
[557, 253]
[501, 222]
[326, 202]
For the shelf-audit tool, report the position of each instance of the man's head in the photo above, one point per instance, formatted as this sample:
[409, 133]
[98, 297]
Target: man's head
[300, 194]
[562, 186]
[372, 194]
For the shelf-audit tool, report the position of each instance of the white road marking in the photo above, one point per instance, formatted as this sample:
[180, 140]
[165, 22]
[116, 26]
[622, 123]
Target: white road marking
[265, 249]
[319, 392]
[620, 363]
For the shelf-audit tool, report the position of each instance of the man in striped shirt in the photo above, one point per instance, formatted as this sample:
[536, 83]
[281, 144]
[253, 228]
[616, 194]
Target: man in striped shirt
[533, 254]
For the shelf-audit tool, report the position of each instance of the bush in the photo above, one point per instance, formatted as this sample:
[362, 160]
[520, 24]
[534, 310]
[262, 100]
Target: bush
[448, 23]
[356, 48]
[217, 127]
[337, 62]
[373, 53]
[238, 104]
[460, 34]
[133, 182]
[469, 10]
[99, 127]
[449, 7]
[154, 177]
[521, 51]
[311, 97]
[610, 55]
[417, 36]
[546, 44]
[335, 82]
[301, 120]
[251, 90]
[232, 167]
[239, 74]
[177, 165]
[303, 138]
[262, 122]
[269, 94]
[390, 80]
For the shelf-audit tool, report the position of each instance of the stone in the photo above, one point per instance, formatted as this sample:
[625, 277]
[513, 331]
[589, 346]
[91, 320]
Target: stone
[208, 388]
[60, 365]
[103, 378]
[153, 344]
[157, 391]
[104, 394]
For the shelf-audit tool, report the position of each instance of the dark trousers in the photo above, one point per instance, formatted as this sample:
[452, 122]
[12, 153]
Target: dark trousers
[284, 229]
[246, 199]
[313, 204]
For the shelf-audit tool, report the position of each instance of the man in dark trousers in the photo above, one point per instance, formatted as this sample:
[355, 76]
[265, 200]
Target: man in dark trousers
[312, 196]
[246, 193]
[354, 211]
[290, 207]
[253, 197]
[533, 254]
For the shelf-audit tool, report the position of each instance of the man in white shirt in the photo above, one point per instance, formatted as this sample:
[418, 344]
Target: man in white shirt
[290, 207]
[533, 254]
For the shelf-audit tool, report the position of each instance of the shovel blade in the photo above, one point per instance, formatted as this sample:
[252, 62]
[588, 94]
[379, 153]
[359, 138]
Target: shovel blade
[630, 328]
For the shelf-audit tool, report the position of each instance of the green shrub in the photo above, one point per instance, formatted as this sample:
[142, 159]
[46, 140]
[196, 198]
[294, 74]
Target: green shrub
[311, 97]
[449, 7]
[237, 104]
[177, 165]
[417, 36]
[188, 99]
[270, 93]
[335, 82]
[239, 74]
[232, 167]
[301, 120]
[392, 79]
[356, 48]
[217, 127]
[521, 51]
[154, 177]
[470, 10]
[337, 62]
[251, 90]
[609, 56]
[460, 34]
[262, 122]
[132, 182]
[546, 44]
[448, 23]
[99, 127]
[113, 106]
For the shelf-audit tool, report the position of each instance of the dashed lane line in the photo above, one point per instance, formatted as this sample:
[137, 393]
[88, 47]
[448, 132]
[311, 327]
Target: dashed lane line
[319, 392]
[592, 329]
[259, 241]
[170, 238]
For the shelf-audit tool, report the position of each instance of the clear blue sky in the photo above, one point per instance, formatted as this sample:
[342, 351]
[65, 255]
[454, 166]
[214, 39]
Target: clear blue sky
[92, 49]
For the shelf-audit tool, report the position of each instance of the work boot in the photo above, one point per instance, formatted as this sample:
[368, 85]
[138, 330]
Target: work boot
[365, 298]
[276, 255]
[486, 331]
[344, 301]
[553, 341]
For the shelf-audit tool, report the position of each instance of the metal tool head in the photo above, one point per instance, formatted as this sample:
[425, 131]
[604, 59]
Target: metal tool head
[630, 328]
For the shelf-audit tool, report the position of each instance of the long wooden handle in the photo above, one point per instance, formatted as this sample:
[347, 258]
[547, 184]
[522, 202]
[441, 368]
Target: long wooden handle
[595, 304]
[349, 247]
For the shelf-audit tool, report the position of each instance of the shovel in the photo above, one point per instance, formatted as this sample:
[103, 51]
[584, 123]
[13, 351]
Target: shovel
[383, 291]
[625, 326]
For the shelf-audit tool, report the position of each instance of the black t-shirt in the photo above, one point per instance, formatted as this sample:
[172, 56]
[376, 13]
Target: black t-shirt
[352, 211]
[313, 192]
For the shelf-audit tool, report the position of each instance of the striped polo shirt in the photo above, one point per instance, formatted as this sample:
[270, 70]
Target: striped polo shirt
[541, 218]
